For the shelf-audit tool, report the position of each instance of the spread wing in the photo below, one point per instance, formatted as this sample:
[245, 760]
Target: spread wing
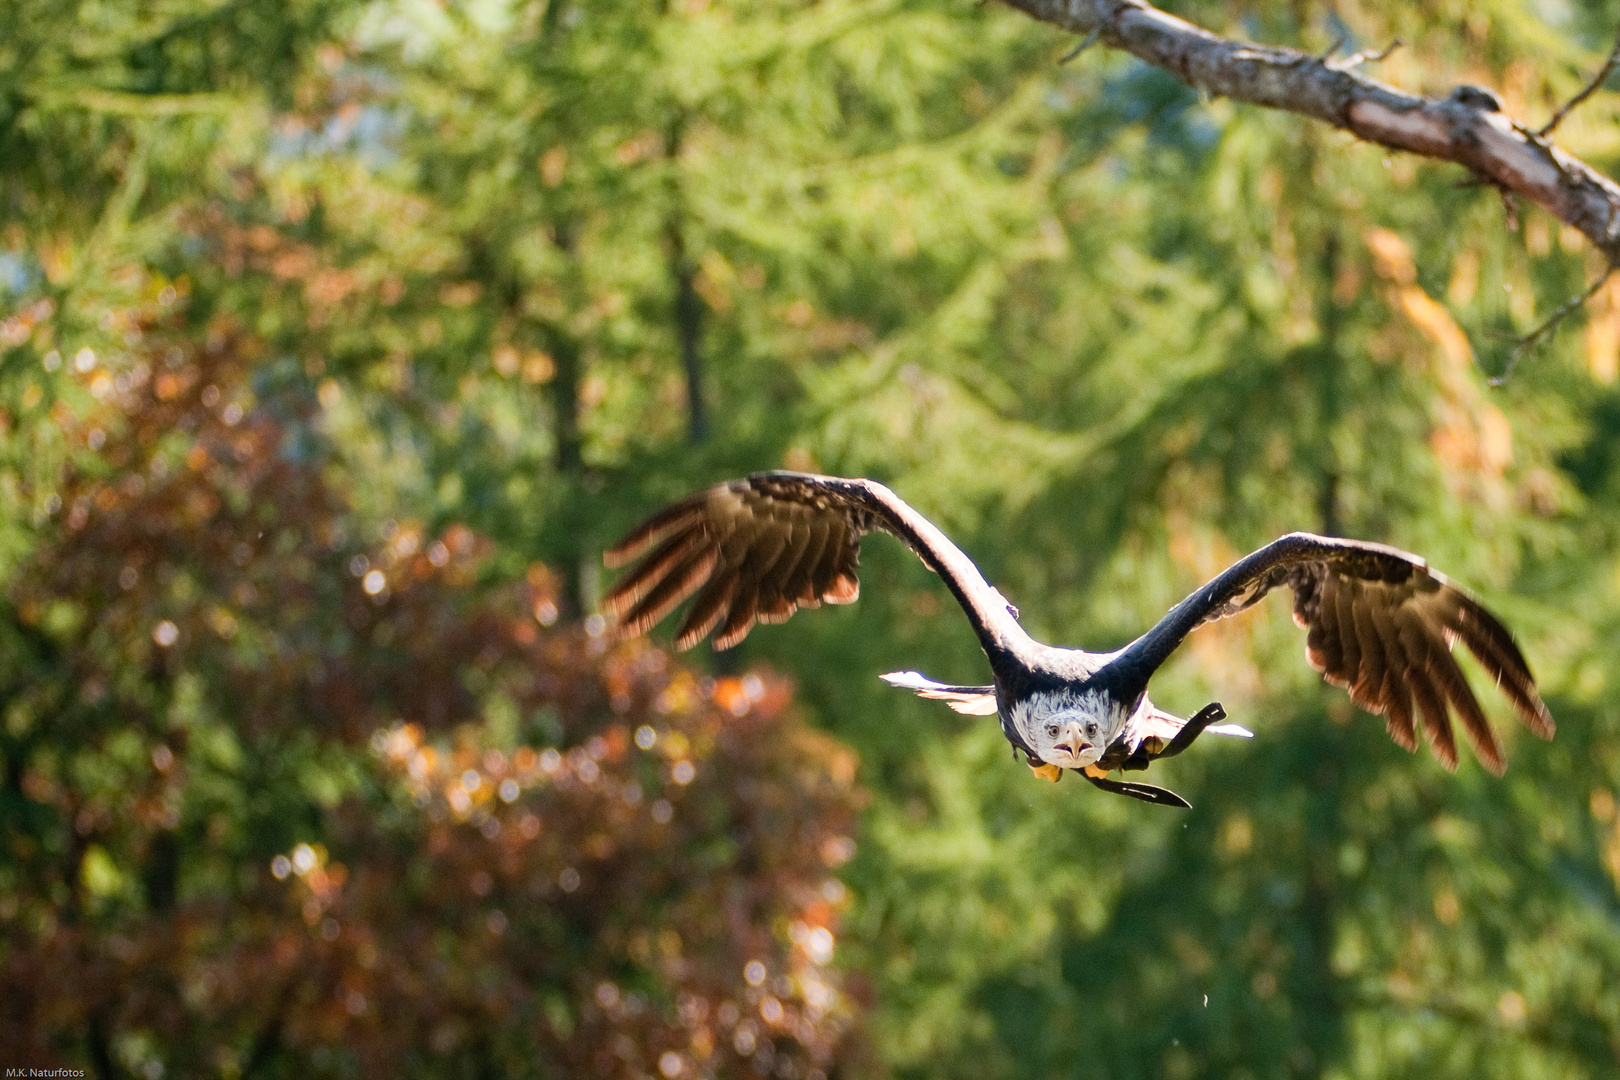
[757, 549]
[1378, 622]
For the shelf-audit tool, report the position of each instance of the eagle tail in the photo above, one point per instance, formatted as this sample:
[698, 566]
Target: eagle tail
[972, 700]
[1166, 726]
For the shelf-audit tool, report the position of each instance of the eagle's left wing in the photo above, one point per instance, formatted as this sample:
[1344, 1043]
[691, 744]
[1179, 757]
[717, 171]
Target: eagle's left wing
[1380, 623]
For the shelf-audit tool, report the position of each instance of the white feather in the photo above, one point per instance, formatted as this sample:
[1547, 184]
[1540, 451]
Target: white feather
[971, 702]
[911, 680]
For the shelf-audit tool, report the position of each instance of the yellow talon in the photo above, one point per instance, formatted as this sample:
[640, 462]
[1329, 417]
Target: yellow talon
[1095, 772]
[1047, 772]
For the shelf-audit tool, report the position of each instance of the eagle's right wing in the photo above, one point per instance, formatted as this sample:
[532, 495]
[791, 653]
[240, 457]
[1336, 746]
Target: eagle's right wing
[757, 549]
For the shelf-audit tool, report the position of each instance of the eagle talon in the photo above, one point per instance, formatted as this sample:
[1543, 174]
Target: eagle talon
[1193, 728]
[1047, 771]
[1145, 792]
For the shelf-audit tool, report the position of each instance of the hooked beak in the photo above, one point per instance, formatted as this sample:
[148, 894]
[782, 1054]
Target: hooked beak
[1073, 739]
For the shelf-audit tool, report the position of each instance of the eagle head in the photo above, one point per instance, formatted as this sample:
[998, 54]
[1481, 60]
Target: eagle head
[1068, 730]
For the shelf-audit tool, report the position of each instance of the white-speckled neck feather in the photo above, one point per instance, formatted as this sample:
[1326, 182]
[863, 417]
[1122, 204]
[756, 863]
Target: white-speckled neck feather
[1044, 720]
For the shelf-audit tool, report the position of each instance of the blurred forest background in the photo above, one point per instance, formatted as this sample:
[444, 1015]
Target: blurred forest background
[340, 336]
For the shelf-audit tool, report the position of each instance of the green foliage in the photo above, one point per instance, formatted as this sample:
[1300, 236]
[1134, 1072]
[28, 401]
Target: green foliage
[458, 269]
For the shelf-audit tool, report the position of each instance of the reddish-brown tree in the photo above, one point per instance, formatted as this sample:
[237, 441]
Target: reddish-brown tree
[284, 797]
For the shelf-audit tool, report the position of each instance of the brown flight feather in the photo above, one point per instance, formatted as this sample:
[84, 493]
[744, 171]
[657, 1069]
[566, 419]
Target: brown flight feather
[681, 582]
[1431, 705]
[654, 529]
[669, 555]
[1395, 696]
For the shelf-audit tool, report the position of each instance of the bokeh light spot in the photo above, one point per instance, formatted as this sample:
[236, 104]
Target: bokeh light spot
[818, 945]
[303, 859]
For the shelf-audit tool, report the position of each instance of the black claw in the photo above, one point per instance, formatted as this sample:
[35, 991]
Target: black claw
[1146, 792]
[1206, 716]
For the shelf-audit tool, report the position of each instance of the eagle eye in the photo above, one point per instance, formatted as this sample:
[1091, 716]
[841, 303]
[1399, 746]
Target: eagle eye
[1051, 731]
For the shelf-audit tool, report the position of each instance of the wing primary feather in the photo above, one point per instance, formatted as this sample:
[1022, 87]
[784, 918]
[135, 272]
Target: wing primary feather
[1430, 705]
[706, 611]
[1493, 646]
[721, 590]
[682, 582]
[653, 530]
[1436, 723]
[1449, 677]
[1367, 691]
[646, 577]
[1398, 720]
[1396, 695]
[740, 619]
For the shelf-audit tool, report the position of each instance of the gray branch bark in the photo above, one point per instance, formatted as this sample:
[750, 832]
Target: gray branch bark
[1467, 126]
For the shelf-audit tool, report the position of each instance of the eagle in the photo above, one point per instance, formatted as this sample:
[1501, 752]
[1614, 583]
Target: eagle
[1378, 621]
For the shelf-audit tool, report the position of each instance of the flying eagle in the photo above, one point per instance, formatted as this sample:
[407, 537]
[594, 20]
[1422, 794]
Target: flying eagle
[1378, 622]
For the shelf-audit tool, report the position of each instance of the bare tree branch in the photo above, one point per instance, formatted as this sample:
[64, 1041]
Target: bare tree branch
[1529, 341]
[1087, 42]
[1467, 126]
[1359, 58]
[1587, 91]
